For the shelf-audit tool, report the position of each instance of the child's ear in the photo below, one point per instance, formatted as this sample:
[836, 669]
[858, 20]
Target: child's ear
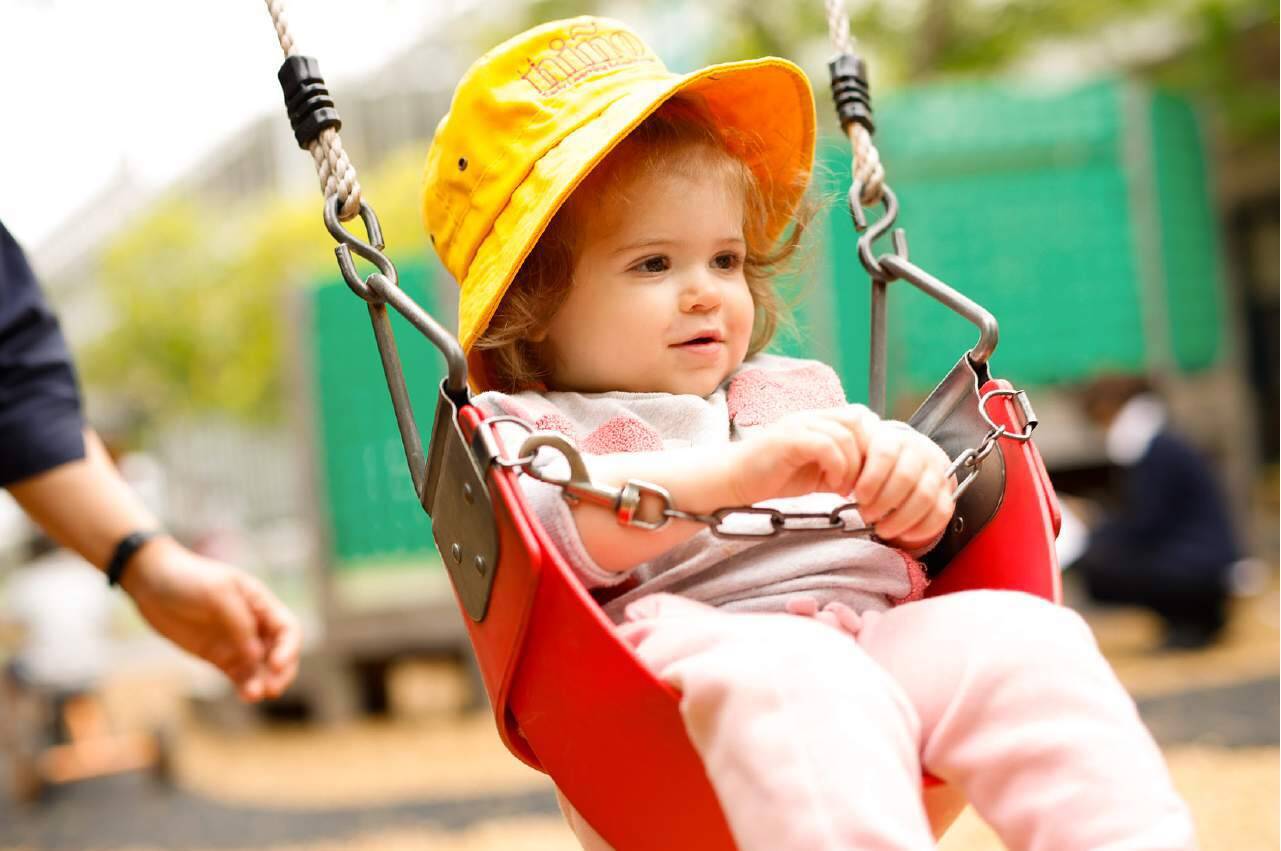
[538, 335]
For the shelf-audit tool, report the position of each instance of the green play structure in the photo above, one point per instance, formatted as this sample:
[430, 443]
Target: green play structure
[1080, 218]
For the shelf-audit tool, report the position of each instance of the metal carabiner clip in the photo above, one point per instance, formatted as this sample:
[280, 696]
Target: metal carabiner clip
[625, 502]
[878, 229]
[371, 250]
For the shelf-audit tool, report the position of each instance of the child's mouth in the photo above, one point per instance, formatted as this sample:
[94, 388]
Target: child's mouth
[702, 344]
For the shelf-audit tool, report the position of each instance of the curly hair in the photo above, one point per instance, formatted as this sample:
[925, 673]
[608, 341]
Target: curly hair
[680, 137]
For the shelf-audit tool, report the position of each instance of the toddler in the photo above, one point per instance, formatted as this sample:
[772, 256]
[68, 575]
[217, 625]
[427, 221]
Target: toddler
[614, 228]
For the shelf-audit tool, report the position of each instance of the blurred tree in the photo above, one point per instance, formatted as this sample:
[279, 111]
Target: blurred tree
[199, 297]
[915, 42]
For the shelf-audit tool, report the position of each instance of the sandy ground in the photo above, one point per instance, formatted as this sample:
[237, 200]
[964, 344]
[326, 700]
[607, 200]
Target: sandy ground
[424, 755]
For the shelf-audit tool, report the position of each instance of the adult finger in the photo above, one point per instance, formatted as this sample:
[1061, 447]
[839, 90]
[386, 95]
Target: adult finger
[238, 629]
[279, 632]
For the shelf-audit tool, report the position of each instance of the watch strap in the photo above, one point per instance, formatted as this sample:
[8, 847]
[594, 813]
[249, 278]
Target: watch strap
[124, 551]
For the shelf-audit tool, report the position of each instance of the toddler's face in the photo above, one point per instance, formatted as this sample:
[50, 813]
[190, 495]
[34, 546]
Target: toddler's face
[658, 302]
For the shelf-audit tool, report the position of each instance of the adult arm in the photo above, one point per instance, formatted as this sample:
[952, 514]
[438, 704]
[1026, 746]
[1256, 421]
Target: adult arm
[62, 477]
[210, 609]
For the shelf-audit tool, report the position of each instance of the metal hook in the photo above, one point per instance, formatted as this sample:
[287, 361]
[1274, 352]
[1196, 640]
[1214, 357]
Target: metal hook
[878, 229]
[382, 288]
[578, 474]
[349, 242]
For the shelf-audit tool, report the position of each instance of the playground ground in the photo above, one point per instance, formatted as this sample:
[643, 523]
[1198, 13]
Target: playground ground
[433, 779]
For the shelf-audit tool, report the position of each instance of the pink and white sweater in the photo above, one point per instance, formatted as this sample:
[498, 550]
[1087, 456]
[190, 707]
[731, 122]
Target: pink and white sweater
[754, 574]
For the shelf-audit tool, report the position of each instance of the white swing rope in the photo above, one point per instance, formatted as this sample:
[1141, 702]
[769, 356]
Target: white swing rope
[337, 174]
[867, 169]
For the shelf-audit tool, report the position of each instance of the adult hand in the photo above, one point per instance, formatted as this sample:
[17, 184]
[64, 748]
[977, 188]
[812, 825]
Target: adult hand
[217, 612]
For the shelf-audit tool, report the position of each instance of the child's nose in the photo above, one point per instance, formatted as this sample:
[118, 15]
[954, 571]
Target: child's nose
[700, 293]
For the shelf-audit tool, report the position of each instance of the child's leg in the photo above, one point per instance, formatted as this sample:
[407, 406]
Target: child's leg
[1019, 708]
[808, 743]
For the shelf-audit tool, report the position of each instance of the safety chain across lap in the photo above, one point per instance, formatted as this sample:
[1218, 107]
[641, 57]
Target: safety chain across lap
[337, 174]
[626, 502]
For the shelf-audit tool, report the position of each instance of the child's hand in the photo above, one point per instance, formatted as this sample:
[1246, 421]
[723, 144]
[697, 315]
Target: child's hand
[896, 474]
[903, 489]
[798, 454]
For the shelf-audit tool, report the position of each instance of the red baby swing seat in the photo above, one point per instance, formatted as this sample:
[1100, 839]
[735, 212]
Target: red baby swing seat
[571, 698]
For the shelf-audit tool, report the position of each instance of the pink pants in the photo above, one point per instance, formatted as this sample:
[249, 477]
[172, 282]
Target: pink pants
[816, 741]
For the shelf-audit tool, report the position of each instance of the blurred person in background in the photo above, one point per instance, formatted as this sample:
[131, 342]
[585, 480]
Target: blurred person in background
[62, 477]
[1168, 545]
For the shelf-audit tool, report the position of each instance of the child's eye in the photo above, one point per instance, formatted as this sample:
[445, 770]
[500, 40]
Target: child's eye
[653, 265]
[727, 261]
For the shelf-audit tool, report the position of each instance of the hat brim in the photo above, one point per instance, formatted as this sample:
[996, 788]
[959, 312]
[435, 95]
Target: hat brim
[766, 100]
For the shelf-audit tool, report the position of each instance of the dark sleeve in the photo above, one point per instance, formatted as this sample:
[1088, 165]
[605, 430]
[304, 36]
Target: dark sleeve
[1172, 511]
[1143, 516]
[40, 422]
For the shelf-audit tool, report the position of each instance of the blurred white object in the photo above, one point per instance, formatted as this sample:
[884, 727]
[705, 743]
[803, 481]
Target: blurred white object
[1131, 433]
[1073, 537]
[64, 608]
[1248, 577]
[15, 528]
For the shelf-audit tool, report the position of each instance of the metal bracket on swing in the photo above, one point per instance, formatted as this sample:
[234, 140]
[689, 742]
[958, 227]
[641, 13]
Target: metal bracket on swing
[953, 414]
[450, 484]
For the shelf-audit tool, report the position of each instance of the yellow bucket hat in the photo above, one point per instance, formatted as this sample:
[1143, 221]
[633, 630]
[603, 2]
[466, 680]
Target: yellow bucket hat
[533, 116]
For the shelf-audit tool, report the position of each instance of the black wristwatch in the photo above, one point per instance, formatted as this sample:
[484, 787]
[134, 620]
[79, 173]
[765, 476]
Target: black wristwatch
[124, 551]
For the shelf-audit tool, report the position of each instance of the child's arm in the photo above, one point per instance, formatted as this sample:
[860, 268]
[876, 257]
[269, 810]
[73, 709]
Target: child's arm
[895, 474]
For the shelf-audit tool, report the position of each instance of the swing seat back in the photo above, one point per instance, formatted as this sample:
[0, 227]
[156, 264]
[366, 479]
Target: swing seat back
[571, 698]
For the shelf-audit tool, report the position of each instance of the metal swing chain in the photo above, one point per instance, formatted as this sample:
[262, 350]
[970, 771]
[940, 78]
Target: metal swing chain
[627, 502]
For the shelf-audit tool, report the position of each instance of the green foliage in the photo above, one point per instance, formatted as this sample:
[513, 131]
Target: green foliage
[1231, 67]
[199, 297]
[1228, 58]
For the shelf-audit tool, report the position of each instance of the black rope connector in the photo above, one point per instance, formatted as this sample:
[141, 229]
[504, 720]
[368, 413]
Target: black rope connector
[851, 92]
[307, 101]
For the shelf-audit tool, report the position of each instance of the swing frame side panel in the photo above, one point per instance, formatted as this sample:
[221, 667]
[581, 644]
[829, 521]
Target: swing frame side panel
[498, 639]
